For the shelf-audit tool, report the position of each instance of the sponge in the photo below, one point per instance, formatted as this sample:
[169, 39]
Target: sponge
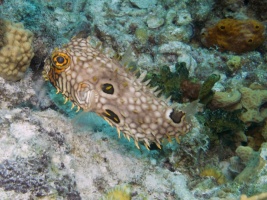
[234, 35]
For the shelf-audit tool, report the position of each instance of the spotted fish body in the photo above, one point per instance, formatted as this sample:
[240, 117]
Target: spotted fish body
[94, 82]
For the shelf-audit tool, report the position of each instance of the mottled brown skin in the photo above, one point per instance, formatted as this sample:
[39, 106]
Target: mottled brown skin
[238, 36]
[96, 83]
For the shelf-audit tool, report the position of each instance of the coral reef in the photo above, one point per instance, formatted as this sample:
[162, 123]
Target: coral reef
[178, 85]
[118, 193]
[182, 52]
[252, 100]
[225, 99]
[238, 36]
[261, 196]
[205, 93]
[143, 4]
[234, 63]
[170, 82]
[214, 173]
[142, 35]
[49, 151]
[264, 130]
[12, 95]
[245, 153]
[220, 121]
[154, 22]
[259, 7]
[43, 155]
[190, 90]
[16, 50]
[255, 166]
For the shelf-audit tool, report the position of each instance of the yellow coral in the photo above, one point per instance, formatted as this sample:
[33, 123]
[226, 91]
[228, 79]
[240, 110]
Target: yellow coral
[215, 173]
[234, 63]
[234, 35]
[118, 193]
[261, 196]
[16, 52]
[225, 99]
[245, 153]
[252, 100]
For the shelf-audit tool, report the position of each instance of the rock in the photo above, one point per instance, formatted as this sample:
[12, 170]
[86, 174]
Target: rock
[154, 22]
[183, 17]
[191, 64]
[174, 47]
[143, 3]
[182, 51]
[176, 33]
[255, 169]
[142, 35]
[264, 130]
[144, 60]
[170, 16]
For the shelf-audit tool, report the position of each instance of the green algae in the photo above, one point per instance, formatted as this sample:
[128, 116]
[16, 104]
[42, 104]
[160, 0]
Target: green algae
[206, 93]
[142, 35]
[169, 82]
[220, 121]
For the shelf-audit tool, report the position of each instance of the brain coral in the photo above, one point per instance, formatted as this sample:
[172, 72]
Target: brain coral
[16, 50]
[234, 35]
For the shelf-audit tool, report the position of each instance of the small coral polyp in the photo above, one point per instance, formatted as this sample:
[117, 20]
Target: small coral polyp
[238, 36]
[16, 50]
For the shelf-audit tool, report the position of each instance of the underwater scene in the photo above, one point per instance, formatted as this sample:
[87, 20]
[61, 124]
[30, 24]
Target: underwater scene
[133, 100]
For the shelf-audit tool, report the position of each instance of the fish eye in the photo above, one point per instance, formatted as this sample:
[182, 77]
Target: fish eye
[60, 60]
